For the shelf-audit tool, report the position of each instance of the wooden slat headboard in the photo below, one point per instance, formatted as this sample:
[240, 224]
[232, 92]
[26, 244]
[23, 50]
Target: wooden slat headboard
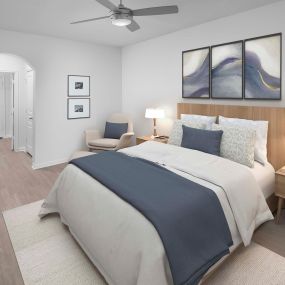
[275, 117]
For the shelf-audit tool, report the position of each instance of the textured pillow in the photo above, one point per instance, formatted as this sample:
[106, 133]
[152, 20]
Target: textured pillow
[202, 140]
[237, 144]
[115, 130]
[176, 134]
[261, 128]
[207, 120]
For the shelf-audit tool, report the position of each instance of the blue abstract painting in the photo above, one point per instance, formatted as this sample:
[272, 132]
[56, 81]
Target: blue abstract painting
[227, 71]
[263, 68]
[196, 73]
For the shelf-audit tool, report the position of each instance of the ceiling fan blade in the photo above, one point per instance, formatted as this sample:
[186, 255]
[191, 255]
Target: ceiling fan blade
[133, 26]
[89, 20]
[163, 10]
[108, 4]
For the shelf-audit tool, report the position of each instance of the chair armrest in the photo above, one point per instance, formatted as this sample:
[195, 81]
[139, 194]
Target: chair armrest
[91, 135]
[125, 140]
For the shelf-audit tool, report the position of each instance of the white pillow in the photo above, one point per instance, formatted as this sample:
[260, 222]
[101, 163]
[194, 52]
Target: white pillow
[261, 128]
[237, 144]
[176, 133]
[207, 120]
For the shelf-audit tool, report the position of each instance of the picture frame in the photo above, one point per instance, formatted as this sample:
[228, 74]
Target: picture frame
[78, 86]
[227, 68]
[78, 108]
[196, 73]
[263, 67]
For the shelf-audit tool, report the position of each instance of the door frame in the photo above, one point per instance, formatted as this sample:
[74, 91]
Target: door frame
[28, 72]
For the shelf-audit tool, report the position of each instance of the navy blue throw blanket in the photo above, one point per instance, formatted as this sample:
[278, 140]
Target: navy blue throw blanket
[187, 216]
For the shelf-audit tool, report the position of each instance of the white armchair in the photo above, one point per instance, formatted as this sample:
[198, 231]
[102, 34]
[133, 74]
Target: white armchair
[96, 141]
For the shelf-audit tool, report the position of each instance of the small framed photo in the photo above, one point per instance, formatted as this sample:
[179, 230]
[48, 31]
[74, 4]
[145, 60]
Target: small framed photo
[78, 108]
[227, 71]
[196, 73]
[78, 86]
[263, 68]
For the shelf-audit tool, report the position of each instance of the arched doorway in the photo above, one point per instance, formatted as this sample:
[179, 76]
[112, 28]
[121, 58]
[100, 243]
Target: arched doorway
[17, 93]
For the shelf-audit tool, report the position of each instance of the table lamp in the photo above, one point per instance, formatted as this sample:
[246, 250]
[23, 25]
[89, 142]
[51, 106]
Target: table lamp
[154, 114]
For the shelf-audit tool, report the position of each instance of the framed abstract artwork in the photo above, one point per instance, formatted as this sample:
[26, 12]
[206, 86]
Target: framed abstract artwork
[196, 73]
[78, 86]
[227, 71]
[78, 108]
[263, 67]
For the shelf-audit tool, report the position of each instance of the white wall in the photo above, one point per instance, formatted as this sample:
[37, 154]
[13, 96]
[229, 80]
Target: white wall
[53, 59]
[152, 70]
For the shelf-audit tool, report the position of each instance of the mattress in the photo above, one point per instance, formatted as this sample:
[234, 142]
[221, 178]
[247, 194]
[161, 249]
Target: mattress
[265, 177]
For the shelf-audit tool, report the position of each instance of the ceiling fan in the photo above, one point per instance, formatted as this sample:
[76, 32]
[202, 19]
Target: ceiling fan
[123, 17]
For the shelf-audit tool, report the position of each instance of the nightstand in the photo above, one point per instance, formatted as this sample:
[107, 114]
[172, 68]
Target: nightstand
[142, 139]
[280, 191]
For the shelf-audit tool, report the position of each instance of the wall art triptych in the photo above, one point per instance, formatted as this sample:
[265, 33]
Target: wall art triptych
[249, 69]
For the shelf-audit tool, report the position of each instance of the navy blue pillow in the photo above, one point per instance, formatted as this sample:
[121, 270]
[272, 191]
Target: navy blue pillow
[115, 130]
[202, 140]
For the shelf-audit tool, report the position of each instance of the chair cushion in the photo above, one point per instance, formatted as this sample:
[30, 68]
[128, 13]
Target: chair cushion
[115, 130]
[105, 143]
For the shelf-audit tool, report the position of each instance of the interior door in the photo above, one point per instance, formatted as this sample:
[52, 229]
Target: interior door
[29, 112]
[9, 90]
[12, 109]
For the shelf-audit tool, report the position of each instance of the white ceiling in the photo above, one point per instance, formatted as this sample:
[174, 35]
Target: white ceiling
[52, 18]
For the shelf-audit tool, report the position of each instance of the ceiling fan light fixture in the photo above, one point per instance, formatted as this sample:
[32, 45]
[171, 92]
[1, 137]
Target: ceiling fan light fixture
[121, 20]
[122, 16]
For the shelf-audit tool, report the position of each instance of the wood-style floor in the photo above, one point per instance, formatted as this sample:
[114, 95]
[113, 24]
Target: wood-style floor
[20, 185]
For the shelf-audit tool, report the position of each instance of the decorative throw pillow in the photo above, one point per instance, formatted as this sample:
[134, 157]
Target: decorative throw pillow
[207, 120]
[237, 144]
[202, 140]
[176, 133]
[261, 128]
[115, 130]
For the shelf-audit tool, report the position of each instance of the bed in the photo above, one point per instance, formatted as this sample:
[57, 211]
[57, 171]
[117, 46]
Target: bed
[265, 177]
[122, 243]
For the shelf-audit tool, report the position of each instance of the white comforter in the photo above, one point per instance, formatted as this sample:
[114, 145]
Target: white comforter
[120, 241]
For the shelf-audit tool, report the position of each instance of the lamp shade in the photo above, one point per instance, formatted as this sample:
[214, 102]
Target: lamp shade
[154, 113]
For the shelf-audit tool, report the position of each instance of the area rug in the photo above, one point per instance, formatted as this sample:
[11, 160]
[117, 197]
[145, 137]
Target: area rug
[48, 255]
[45, 250]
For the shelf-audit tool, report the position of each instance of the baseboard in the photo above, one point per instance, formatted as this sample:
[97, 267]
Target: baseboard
[49, 163]
[20, 149]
